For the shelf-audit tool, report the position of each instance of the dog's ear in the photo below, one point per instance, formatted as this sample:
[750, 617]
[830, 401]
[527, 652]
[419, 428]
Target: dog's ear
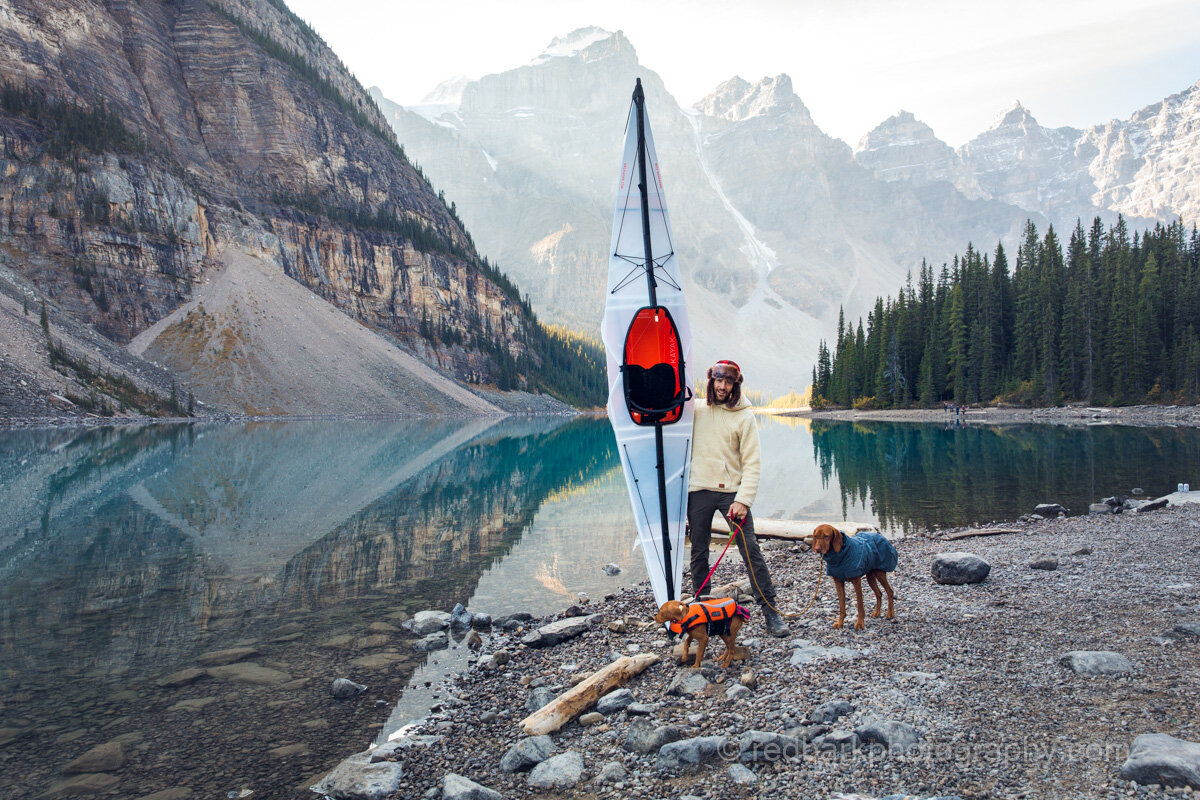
[837, 540]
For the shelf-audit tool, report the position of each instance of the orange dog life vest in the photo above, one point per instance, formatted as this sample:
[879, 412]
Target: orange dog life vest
[721, 609]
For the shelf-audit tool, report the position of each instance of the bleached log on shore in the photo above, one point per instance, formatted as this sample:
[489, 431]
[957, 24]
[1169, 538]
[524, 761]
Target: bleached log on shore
[573, 702]
[789, 529]
[967, 534]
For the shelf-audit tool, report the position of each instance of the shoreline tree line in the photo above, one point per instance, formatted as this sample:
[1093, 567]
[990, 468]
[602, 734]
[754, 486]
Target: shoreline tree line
[1114, 319]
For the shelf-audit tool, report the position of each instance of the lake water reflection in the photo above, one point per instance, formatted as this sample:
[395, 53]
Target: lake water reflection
[129, 556]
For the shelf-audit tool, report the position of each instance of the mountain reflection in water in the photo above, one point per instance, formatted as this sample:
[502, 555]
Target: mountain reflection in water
[125, 554]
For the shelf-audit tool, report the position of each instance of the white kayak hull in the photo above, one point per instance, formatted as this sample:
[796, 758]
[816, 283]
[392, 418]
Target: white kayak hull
[628, 293]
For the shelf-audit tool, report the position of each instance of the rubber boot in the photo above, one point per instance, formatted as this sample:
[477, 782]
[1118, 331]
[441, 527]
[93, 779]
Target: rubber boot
[774, 623]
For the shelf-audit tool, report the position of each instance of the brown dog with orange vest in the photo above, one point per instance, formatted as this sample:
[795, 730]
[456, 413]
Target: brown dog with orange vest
[720, 616]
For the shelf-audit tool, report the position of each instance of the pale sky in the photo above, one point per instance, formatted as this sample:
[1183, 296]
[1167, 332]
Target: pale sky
[955, 64]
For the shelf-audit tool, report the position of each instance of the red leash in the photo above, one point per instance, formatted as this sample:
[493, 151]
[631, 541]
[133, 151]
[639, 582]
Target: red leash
[732, 536]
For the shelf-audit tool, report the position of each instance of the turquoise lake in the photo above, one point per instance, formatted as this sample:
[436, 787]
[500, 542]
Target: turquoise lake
[126, 554]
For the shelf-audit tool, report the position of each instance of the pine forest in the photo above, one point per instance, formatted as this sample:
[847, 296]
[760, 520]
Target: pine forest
[1115, 319]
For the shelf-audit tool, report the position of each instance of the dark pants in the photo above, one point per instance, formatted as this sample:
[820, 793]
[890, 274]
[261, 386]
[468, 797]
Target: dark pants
[701, 505]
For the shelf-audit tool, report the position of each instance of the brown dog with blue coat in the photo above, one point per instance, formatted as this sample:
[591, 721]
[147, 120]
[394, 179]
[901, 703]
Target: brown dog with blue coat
[851, 558]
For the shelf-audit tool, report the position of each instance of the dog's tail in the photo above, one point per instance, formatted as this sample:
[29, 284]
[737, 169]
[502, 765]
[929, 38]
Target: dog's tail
[741, 611]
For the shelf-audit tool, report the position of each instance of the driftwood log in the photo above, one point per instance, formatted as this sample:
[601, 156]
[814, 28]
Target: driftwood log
[967, 534]
[788, 529]
[573, 702]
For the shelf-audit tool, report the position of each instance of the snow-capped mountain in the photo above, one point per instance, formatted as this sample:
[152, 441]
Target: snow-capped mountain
[777, 224]
[1146, 168]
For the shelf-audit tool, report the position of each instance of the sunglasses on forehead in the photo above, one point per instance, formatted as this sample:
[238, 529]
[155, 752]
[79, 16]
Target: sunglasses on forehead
[724, 374]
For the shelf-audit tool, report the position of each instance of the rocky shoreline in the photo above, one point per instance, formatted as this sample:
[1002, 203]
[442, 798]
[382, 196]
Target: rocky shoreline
[975, 691]
[1141, 416]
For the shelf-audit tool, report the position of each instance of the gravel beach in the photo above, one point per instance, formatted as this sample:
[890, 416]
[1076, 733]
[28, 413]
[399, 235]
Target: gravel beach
[966, 694]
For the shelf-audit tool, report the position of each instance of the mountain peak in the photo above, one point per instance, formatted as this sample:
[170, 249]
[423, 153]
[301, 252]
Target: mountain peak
[900, 128]
[736, 99]
[575, 43]
[1014, 114]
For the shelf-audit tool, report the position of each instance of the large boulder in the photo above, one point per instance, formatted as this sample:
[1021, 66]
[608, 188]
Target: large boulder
[807, 653]
[358, 779]
[558, 632]
[1049, 509]
[690, 754]
[829, 712]
[897, 737]
[614, 702]
[538, 698]
[562, 771]
[456, 787]
[1097, 662]
[956, 569]
[688, 683]
[527, 754]
[766, 746]
[426, 622]
[643, 737]
[1162, 759]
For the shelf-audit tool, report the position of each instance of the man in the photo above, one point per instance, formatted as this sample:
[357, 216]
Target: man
[725, 469]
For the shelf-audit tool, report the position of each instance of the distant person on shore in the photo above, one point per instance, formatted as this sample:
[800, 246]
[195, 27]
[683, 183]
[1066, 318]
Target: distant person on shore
[726, 465]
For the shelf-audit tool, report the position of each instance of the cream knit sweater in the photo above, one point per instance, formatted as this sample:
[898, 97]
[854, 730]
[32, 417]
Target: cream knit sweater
[725, 453]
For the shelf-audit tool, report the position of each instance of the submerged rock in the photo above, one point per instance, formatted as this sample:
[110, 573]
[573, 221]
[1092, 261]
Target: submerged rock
[434, 641]
[344, 688]
[101, 758]
[426, 622]
[218, 658]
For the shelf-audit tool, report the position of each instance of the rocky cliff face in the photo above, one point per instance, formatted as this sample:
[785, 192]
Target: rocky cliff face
[1149, 166]
[1021, 162]
[1146, 168]
[242, 129]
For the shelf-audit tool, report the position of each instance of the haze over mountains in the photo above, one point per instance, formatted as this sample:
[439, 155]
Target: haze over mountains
[777, 224]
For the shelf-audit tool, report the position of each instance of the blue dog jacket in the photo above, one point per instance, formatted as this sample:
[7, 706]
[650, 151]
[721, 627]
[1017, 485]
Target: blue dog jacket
[860, 554]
